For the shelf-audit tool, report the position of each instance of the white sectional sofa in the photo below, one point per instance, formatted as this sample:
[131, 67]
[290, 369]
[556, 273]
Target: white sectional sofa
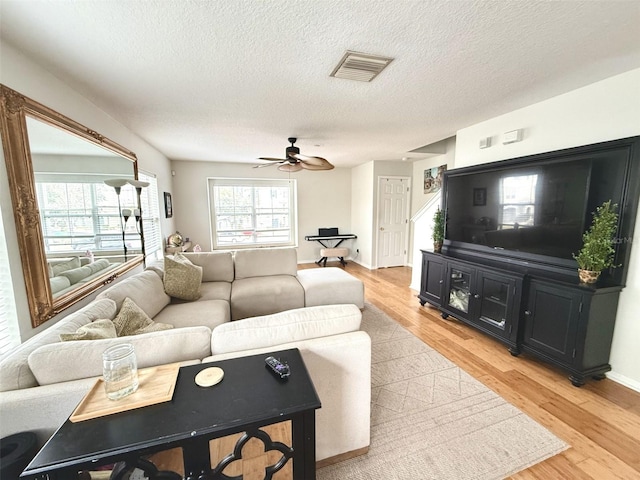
[42, 381]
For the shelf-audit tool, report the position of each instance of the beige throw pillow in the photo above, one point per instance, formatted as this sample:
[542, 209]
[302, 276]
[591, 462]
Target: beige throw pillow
[131, 320]
[95, 330]
[182, 279]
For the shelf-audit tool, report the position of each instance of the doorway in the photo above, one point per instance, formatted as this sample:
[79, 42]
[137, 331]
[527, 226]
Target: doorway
[393, 220]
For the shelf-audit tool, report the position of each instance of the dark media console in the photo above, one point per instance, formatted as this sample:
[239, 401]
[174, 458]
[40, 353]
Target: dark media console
[507, 267]
[560, 321]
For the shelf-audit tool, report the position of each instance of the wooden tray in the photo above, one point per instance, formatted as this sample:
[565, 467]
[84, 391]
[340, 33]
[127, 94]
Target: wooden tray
[156, 385]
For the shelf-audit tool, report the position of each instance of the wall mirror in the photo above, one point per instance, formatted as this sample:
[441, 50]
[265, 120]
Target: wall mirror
[76, 202]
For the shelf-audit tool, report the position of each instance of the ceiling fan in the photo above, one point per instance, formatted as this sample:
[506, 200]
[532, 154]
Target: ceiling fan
[295, 161]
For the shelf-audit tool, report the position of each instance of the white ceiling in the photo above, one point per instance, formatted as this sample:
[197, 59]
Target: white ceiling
[230, 80]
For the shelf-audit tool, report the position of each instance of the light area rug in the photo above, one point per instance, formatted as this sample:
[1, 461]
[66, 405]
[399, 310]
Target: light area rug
[432, 420]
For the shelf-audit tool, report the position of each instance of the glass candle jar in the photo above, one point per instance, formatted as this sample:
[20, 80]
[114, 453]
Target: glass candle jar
[120, 371]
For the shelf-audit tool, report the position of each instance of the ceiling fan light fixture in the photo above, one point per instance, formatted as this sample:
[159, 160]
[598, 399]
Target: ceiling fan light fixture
[294, 161]
[361, 67]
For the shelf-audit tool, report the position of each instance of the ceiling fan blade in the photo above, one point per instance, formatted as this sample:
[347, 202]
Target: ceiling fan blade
[271, 159]
[317, 163]
[262, 165]
[309, 160]
[290, 167]
[315, 168]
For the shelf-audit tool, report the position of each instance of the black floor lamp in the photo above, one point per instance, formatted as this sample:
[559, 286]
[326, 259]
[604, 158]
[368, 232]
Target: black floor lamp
[126, 213]
[117, 184]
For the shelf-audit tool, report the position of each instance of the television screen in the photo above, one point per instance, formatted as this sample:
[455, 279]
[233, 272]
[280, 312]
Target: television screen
[533, 207]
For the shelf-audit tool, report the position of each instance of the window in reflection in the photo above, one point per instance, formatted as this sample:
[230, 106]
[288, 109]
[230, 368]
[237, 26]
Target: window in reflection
[84, 217]
[518, 201]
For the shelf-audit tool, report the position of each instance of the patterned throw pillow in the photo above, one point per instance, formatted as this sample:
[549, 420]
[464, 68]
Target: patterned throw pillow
[182, 279]
[132, 320]
[96, 330]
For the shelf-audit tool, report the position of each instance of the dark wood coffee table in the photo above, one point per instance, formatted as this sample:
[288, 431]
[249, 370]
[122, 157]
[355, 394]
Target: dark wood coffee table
[249, 397]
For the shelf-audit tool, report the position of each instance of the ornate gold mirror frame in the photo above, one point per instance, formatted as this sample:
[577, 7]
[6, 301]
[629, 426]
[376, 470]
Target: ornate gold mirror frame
[14, 109]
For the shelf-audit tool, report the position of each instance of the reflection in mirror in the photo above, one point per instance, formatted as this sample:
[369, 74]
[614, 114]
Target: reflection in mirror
[64, 211]
[84, 220]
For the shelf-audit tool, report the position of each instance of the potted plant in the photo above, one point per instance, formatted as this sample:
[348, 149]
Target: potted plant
[438, 230]
[597, 249]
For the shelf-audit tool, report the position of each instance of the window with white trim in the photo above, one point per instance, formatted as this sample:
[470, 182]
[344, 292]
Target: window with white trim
[249, 212]
[9, 330]
[151, 216]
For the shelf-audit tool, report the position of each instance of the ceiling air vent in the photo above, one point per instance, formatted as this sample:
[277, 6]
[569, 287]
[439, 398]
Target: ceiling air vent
[360, 66]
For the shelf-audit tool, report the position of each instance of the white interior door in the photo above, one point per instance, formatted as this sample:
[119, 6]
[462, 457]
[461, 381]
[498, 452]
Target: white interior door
[393, 220]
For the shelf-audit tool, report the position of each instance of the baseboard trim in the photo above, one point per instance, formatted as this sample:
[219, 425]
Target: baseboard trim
[325, 462]
[623, 380]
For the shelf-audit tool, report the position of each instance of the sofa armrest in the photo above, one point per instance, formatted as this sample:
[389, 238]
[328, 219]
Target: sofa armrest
[285, 327]
[41, 409]
[340, 367]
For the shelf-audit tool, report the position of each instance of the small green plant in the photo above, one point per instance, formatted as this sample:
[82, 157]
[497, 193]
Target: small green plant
[597, 249]
[438, 226]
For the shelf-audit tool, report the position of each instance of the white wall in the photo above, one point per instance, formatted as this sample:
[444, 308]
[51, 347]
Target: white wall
[324, 200]
[21, 74]
[362, 215]
[419, 198]
[422, 228]
[605, 110]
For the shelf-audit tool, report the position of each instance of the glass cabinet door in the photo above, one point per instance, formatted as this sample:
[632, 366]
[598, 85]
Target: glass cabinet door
[459, 293]
[494, 300]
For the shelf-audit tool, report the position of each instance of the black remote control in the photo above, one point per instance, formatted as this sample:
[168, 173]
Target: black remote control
[281, 370]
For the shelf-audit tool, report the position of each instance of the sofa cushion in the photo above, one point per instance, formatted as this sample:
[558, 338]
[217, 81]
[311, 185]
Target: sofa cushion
[182, 278]
[255, 296]
[210, 313]
[145, 289]
[76, 274]
[131, 320]
[285, 327]
[58, 267]
[59, 362]
[216, 266]
[265, 262]
[327, 286]
[215, 291]
[103, 328]
[59, 283]
[14, 370]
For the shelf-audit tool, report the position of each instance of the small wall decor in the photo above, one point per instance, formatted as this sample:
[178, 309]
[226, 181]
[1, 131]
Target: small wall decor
[433, 179]
[479, 197]
[168, 206]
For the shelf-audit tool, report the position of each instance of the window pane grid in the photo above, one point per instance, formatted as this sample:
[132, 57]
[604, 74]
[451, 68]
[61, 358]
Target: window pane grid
[253, 212]
[84, 216]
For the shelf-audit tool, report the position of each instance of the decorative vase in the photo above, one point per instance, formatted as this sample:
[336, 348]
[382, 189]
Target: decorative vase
[588, 276]
[437, 247]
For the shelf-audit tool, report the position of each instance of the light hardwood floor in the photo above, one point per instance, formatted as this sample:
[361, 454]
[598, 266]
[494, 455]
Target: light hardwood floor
[601, 420]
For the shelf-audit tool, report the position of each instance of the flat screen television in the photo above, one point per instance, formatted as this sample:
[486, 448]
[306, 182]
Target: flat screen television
[534, 208]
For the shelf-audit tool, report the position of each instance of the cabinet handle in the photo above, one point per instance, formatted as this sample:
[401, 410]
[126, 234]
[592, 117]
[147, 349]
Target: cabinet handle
[476, 296]
[441, 281]
[527, 313]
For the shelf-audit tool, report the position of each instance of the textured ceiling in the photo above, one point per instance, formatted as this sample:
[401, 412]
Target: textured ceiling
[230, 80]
